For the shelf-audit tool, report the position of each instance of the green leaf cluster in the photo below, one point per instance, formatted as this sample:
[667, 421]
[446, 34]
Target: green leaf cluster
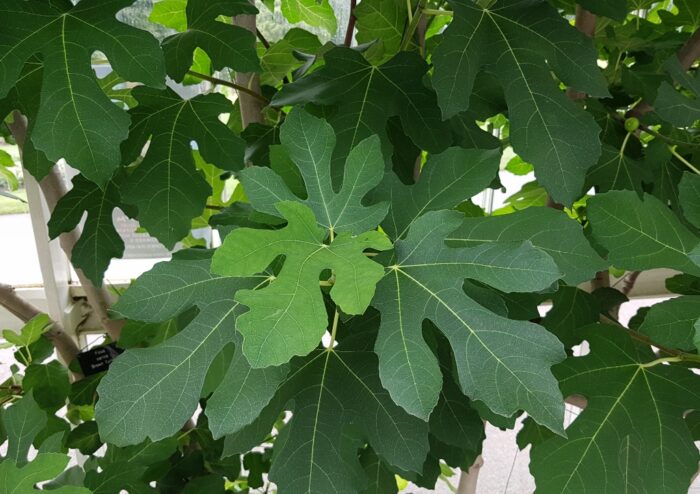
[345, 307]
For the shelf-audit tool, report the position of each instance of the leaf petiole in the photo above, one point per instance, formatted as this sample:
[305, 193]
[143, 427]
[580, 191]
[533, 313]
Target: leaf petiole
[683, 160]
[334, 329]
[222, 82]
[662, 360]
[437, 12]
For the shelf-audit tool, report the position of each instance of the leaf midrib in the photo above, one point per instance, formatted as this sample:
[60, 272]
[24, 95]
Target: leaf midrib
[473, 333]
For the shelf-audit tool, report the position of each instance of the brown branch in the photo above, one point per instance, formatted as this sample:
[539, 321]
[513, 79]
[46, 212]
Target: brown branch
[351, 23]
[601, 280]
[417, 168]
[585, 21]
[468, 480]
[551, 203]
[262, 39]
[629, 281]
[251, 106]
[690, 51]
[99, 299]
[642, 338]
[223, 82]
[53, 188]
[65, 346]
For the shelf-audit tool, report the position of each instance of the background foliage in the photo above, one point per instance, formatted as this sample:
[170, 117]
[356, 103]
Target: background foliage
[361, 318]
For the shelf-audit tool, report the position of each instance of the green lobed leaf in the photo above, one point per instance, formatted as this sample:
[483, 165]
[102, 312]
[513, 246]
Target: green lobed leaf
[117, 477]
[117, 89]
[309, 142]
[615, 170]
[446, 180]
[631, 436]
[22, 97]
[687, 16]
[338, 405]
[170, 13]
[259, 140]
[50, 438]
[365, 96]
[30, 332]
[495, 362]
[151, 392]
[666, 172]
[227, 45]
[549, 230]
[145, 453]
[670, 104]
[23, 421]
[683, 284]
[672, 323]
[84, 438]
[99, 241]
[383, 22]
[214, 484]
[50, 384]
[316, 13]
[299, 316]
[138, 334]
[46, 466]
[242, 395]
[454, 422]
[166, 187]
[546, 128]
[281, 58]
[6, 163]
[75, 119]
[689, 197]
[572, 309]
[381, 480]
[614, 9]
[641, 234]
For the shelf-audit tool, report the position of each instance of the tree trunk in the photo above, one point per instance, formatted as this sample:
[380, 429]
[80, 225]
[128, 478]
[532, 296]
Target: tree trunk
[65, 346]
[53, 189]
[251, 107]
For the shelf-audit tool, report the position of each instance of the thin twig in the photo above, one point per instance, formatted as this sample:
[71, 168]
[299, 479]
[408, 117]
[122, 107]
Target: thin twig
[412, 25]
[682, 159]
[222, 82]
[468, 479]
[662, 360]
[437, 12]
[628, 282]
[645, 128]
[334, 329]
[350, 31]
[251, 102]
[65, 346]
[262, 39]
[642, 338]
[690, 51]
[510, 473]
